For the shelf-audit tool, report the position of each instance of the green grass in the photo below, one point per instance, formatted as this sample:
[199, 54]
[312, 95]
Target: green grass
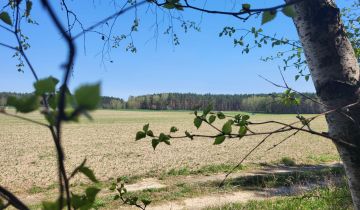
[189, 190]
[288, 161]
[336, 198]
[282, 179]
[204, 170]
[37, 189]
[323, 158]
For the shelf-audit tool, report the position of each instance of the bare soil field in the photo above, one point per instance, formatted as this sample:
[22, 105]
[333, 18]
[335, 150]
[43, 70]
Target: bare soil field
[27, 157]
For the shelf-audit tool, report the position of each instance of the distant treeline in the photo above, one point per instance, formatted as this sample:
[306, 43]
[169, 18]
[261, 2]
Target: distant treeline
[259, 103]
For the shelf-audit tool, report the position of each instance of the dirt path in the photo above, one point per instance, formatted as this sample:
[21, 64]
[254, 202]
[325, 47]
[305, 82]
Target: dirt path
[242, 196]
[209, 200]
[267, 170]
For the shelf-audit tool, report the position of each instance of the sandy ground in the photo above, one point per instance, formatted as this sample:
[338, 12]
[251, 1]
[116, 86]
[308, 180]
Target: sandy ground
[27, 156]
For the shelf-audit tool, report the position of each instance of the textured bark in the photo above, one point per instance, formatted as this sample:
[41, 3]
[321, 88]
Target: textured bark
[335, 74]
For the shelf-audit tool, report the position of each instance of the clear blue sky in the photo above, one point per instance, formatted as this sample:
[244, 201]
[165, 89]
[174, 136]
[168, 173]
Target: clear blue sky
[203, 63]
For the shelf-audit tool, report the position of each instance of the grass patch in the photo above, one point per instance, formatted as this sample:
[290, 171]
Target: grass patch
[188, 190]
[323, 158]
[282, 179]
[37, 189]
[204, 170]
[287, 161]
[321, 198]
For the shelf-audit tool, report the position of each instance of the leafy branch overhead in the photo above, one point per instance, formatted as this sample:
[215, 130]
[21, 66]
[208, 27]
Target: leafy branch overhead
[86, 98]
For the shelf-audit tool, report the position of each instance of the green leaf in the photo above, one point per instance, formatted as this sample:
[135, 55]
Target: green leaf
[146, 202]
[91, 193]
[163, 137]
[169, 6]
[150, 133]
[212, 118]
[28, 8]
[48, 205]
[53, 100]
[197, 122]
[242, 131]
[246, 7]
[24, 104]
[77, 201]
[88, 96]
[112, 187]
[219, 140]
[289, 11]
[226, 129]
[307, 77]
[245, 117]
[116, 197]
[221, 115]
[154, 143]
[146, 127]
[268, 16]
[5, 17]
[173, 129]
[297, 77]
[89, 173]
[179, 7]
[207, 110]
[140, 135]
[46, 85]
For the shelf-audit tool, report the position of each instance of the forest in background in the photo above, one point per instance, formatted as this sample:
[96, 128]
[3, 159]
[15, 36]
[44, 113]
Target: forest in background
[257, 103]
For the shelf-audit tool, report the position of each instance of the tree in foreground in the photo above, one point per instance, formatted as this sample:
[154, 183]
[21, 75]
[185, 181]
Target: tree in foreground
[323, 38]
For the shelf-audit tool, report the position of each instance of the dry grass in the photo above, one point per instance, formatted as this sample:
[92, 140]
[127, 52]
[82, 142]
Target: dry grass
[27, 157]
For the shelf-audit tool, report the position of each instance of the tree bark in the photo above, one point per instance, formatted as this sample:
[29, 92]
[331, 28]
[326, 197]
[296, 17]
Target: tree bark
[335, 74]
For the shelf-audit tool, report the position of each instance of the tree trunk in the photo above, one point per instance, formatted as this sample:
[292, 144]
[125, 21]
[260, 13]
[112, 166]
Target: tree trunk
[335, 74]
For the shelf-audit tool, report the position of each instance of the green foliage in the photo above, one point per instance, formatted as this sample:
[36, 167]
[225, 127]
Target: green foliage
[5, 17]
[146, 127]
[268, 16]
[173, 129]
[140, 135]
[24, 104]
[263, 103]
[287, 161]
[88, 173]
[154, 143]
[85, 201]
[150, 133]
[289, 11]
[331, 197]
[197, 122]
[212, 118]
[88, 96]
[50, 205]
[46, 85]
[246, 7]
[220, 115]
[28, 8]
[207, 110]
[173, 4]
[289, 98]
[227, 129]
[219, 140]
[126, 197]
[242, 131]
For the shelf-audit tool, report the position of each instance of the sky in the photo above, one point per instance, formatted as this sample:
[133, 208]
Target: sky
[202, 63]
